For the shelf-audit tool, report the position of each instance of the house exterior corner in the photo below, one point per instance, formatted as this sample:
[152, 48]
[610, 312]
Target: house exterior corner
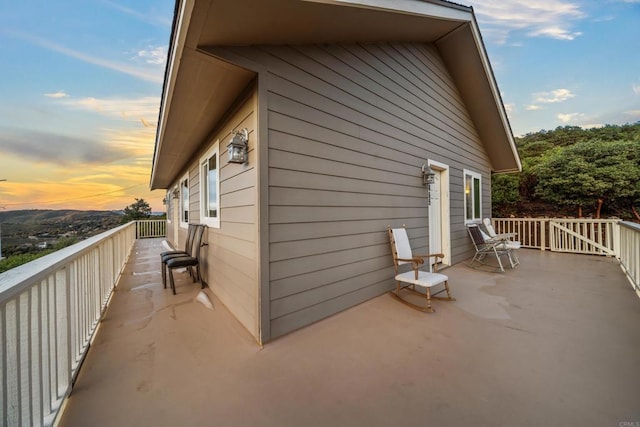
[338, 135]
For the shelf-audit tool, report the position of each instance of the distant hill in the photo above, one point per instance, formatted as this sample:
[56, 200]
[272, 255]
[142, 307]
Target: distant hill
[23, 230]
[37, 216]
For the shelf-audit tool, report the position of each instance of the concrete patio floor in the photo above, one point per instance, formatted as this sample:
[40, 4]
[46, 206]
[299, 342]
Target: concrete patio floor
[554, 342]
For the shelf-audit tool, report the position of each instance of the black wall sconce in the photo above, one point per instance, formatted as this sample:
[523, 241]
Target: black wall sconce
[238, 148]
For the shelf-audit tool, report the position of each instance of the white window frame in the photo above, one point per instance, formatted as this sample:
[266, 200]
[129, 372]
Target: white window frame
[472, 196]
[204, 195]
[184, 193]
[169, 205]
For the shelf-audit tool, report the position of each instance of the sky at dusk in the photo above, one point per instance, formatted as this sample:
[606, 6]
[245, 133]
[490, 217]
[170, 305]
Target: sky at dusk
[81, 80]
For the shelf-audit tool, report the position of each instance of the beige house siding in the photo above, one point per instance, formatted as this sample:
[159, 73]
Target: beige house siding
[229, 261]
[348, 128]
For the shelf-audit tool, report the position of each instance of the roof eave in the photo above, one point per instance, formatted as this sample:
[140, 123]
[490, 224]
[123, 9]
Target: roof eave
[463, 51]
[180, 27]
[496, 136]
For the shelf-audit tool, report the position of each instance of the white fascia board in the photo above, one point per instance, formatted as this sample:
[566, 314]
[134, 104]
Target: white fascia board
[486, 65]
[409, 7]
[182, 26]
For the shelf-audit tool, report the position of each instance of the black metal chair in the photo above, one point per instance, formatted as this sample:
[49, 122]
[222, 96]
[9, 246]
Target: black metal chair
[188, 261]
[193, 230]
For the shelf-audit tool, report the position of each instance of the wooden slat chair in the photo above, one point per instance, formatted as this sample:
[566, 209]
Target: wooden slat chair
[188, 261]
[505, 239]
[188, 251]
[402, 254]
[486, 247]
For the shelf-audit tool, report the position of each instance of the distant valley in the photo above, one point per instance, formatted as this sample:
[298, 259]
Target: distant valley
[32, 230]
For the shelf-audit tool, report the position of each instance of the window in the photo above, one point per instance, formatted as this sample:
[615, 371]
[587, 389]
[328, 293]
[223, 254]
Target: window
[472, 196]
[184, 201]
[210, 187]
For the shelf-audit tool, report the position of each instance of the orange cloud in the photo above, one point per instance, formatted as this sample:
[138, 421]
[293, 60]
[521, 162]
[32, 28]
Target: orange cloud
[73, 195]
[110, 184]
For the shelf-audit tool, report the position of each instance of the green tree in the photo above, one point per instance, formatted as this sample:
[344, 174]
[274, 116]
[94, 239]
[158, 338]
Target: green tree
[139, 209]
[505, 194]
[590, 168]
[14, 261]
[591, 174]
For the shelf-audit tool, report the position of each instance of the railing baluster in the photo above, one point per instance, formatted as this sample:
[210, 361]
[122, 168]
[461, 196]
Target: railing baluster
[36, 359]
[24, 357]
[12, 365]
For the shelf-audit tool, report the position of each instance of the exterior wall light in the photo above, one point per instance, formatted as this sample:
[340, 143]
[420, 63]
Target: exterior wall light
[176, 193]
[238, 147]
[428, 176]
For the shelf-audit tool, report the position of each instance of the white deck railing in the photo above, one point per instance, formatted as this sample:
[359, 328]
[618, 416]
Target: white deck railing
[148, 228]
[531, 232]
[611, 237]
[49, 310]
[584, 236]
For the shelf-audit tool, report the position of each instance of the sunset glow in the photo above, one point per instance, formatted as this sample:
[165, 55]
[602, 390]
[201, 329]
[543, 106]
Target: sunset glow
[80, 103]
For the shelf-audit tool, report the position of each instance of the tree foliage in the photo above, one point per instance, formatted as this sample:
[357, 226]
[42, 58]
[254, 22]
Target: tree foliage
[591, 173]
[139, 209]
[576, 171]
[14, 261]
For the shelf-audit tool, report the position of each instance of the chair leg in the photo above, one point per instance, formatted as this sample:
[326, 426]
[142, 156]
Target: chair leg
[446, 286]
[514, 260]
[498, 258]
[199, 276]
[173, 285]
[164, 275]
[429, 309]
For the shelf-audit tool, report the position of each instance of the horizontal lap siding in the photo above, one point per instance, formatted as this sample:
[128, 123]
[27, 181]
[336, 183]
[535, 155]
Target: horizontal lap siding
[349, 127]
[231, 255]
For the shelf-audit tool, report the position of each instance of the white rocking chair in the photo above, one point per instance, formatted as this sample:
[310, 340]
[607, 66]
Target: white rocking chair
[402, 254]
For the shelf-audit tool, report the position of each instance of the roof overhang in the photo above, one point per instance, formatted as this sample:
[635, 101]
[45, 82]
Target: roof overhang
[199, 88]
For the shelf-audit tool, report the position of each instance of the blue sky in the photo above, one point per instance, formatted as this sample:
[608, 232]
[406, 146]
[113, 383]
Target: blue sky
[81, 82]
[563, 62]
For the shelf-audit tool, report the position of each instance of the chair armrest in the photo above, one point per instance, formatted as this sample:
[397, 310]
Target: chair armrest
[419, 259]
[415, 260]
[493, 243]
[439, 255]
[504, 236]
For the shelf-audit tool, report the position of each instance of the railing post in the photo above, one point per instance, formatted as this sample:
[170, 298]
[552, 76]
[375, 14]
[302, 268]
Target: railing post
[543, 234]
[616, 238]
